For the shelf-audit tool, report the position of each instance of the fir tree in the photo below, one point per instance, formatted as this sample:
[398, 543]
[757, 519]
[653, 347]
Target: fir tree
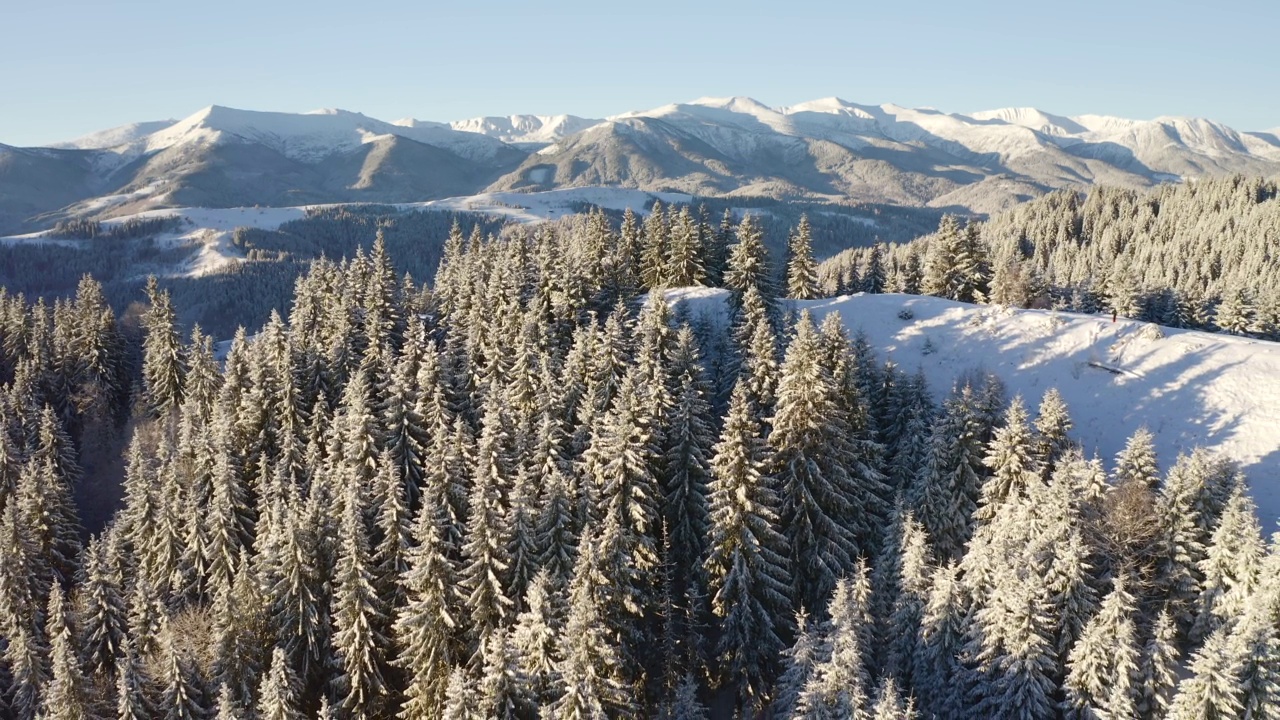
[277, 700]
[802, 277]
[358, 618]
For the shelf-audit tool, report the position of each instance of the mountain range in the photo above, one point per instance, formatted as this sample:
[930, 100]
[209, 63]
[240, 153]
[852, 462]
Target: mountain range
[828, 150]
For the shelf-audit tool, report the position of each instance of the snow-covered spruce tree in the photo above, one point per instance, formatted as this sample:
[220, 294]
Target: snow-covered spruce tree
[1103, 666]
[747, 571]
[619, 464]
[685, 261]
[889, 704]
[749, 264]
[1257, 640]
[359, 619]
[294, 579]
[809, 467]
[938, 670]
[66, 696]
[427, 626]
[839, 686]
[183, 696]
[1137, 461]
[240, 633]
[944, 495]
[103, 617]
[590, 665]
[1158, 671]
[534, 638]
[1011, 647]
[485, 550]
[131, 699]
[802, 275]
[914, 558]
[1053, 427]
[1212, 692]
[1011, 458]
[163, 364]
[687, 443]
[278, 697]
[1231, 566]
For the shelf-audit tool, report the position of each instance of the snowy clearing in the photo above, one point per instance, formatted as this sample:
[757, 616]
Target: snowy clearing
[1189, 388]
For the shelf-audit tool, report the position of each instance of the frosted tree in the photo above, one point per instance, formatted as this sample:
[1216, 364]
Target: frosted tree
[1212, 692]
[534, 638]
[65, 697]
[461, 701]
[945, 492]
[839, 684]
[1011, 458]
[937, 670]
[1103, 665]
[503, 685]
[809, 469]
[426, 627]
[183, 696]
[802, 275]
[131, 700]
[103, 617]
[685, 262]
[889, 704]
[749, 582]
[1231, 565]
[749, 261]
[913, 585]
[1010, 642]
[589, 663]
[1053, 427]
[1158, 671]
[1137, 461]
[687, 444]
[485, 552]
[359, 618]
[277, 699]
[1235, 314]
[163, 365]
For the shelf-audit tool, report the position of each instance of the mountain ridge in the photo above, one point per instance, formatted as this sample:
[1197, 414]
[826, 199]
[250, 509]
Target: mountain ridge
[829, 149]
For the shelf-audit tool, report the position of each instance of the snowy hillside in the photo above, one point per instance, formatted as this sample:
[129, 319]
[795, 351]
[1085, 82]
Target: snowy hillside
[525, 130]
[1189, 388]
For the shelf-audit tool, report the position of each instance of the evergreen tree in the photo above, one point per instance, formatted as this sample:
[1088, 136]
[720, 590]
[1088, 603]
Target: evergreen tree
[65, 697]
[427, 626]
[163, 365]
[1158, 673]
[1212, 692]
[358, 639]
[1103, 665]
[1137, 462]
[277, 700]
[749, 582]
[1011, 458]
[802, 275]
[810, 469]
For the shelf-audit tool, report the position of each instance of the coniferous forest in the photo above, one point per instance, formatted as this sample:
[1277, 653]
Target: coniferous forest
[530, 490]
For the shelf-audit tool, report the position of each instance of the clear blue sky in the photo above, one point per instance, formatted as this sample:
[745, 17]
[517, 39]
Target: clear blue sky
[68, 67]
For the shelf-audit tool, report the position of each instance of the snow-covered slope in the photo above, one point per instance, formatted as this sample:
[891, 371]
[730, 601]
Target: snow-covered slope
[308, 137]
[1189, 388]
[116, 136]
[524, 130]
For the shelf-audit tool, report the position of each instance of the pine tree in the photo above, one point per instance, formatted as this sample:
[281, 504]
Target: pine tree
[104, 618]
[1053, 426]
[838, 687]
[937, 671]
[685, 261]
[227, 708]
[502, 684]
[1230, 567]
[183, 696]
[687, 443]
[1213, 690]
[534, 638]
[589, 663]
[460, 698]
[748, 264]
[945, 493]
[131, 701]
[163, 365]
[487, 543]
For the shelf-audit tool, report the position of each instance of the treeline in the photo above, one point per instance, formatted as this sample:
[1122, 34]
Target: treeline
[522, 492]
[1197, 255]
[133, 228]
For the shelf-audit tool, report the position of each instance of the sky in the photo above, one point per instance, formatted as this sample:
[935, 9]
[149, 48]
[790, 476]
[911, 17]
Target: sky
[70, 67]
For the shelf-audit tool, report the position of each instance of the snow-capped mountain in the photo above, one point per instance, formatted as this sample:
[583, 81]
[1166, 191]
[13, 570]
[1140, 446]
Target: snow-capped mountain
[828, 149]
[529, 131]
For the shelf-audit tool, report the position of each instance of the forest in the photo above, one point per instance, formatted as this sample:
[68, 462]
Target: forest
[532, 489]
[1199, 255]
